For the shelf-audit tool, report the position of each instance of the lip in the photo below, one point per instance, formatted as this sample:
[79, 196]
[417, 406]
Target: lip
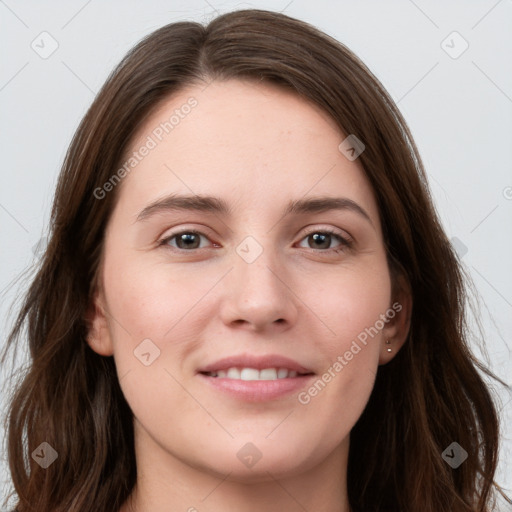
[256, 362]
[257, 390]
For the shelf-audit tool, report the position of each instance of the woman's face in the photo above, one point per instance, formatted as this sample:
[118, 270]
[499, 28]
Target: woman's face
[183, 288]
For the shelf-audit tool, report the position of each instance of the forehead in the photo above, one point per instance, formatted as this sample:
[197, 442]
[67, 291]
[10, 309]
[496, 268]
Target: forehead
[252, 143]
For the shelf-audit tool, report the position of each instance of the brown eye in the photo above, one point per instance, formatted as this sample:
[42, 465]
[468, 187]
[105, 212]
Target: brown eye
[185, 240]
[322, 239]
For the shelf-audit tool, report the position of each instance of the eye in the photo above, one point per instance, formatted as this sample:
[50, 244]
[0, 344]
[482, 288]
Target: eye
[185, 240]
[323, 237]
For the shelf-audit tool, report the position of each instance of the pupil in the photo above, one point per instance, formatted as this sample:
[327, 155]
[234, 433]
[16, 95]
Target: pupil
[188, 239]
[318, 236]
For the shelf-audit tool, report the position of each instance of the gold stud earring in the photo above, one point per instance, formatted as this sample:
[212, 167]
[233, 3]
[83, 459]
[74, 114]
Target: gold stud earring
[388, 343]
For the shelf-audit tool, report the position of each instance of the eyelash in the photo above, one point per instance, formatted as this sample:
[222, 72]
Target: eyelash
[345, 242]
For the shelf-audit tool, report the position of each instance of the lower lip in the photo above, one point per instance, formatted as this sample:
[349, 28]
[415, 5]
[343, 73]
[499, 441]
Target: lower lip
[258, 390]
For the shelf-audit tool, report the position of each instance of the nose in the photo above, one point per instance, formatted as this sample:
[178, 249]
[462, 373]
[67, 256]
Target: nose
[258, 295]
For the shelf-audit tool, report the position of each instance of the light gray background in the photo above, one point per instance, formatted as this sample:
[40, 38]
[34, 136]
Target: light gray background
[459, 110]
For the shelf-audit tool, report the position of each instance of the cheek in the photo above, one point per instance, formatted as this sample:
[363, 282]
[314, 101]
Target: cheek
[149, 299]
[350, 303]
[157, 309]
[352, 307]
[154, 324]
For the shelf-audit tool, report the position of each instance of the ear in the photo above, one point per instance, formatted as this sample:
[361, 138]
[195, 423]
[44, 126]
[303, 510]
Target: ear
[398, 325]
[98, 335]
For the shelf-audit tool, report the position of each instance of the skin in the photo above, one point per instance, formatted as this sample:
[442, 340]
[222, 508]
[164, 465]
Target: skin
[257, 147]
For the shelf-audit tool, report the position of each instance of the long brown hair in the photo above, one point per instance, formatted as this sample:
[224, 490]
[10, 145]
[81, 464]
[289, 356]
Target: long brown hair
[428, 396]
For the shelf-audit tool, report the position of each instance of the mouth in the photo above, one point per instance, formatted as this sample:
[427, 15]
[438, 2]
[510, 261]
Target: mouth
[251, 374]
[252, 385]
[255, 378]
[254, 367]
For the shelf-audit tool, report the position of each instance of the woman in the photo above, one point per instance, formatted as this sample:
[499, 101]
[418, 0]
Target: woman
[309, 353]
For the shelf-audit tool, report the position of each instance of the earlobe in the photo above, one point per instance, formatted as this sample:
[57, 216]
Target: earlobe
[98, 333]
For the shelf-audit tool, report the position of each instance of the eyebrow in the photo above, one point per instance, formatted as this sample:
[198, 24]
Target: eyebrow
[216, 205]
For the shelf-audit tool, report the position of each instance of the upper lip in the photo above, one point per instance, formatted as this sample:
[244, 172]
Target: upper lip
[256, 362]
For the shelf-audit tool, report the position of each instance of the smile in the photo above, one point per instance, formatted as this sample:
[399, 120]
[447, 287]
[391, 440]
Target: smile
[254, 374]
[249, 385]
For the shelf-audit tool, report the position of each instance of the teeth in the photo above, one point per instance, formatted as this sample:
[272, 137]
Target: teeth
[268, 374]
[233, 373]
[254, 374]
[282, 373]
[249, 374]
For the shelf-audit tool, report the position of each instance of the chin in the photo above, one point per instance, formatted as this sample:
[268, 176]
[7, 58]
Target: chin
[248, 464]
